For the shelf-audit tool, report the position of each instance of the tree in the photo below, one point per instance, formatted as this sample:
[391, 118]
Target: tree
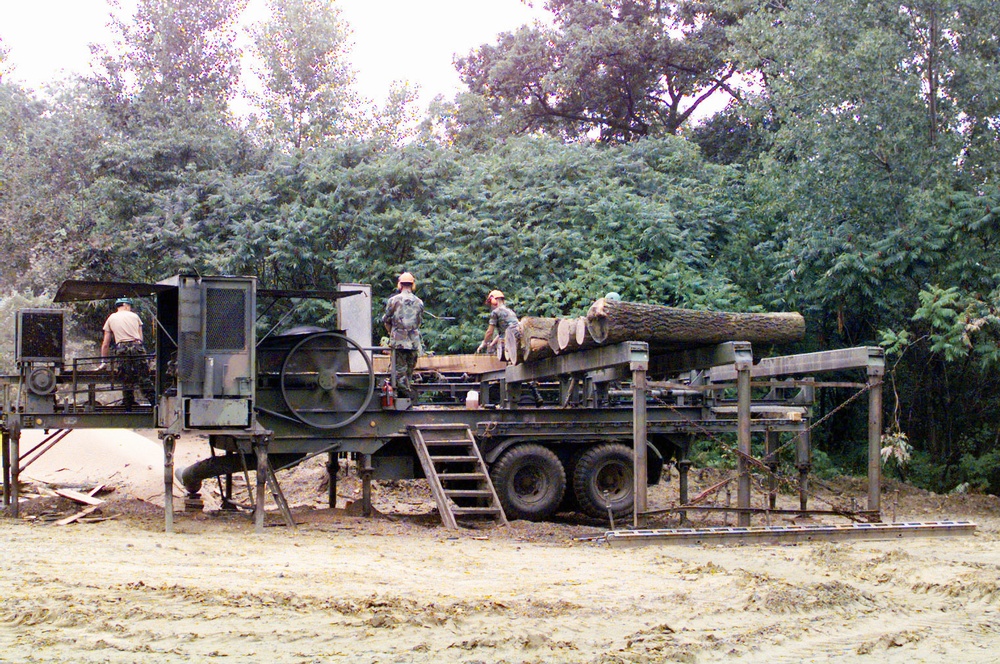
[622, 68]
[4, 67]
[303, 50]
[870, 210]
[172, 56]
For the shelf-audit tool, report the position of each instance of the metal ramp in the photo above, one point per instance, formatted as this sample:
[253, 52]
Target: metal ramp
[791, 534]
[456, 472]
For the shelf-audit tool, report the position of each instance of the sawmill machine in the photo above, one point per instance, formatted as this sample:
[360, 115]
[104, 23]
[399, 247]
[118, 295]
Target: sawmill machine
[268, 394]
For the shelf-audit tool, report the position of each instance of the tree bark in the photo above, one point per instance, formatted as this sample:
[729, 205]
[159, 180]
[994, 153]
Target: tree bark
[612, 321]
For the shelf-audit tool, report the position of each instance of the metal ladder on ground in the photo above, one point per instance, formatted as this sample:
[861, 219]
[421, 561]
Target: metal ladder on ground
[456, 472]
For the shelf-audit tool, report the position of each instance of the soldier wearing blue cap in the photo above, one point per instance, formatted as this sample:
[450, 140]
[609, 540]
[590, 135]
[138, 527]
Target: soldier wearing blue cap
[123, 328]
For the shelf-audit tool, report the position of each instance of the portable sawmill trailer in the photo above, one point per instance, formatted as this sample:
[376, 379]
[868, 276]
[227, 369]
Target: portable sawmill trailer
[268, 399]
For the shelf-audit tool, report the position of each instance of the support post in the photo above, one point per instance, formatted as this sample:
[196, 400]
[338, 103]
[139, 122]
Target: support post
[366, 484]
[14, 442]
[169, 443]
[260, 448]
[683, 468]
[639, 442]
[875, 372]
[770, 445]
[5, 452]
[332, 468]
[743, 364]
[803, 457]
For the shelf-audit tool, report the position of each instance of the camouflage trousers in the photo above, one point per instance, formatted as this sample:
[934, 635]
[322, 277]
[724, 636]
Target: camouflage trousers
[406, 362]
[131, 369]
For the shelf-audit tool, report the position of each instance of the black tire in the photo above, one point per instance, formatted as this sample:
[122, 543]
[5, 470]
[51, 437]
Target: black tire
[530, 481]
[569, 502]
[605, 468]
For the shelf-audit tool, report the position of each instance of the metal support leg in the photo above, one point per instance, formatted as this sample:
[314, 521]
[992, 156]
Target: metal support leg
[14, 444]
[875, 438]
[169, 443]
[770, 445]
[260, 448]
[366, 484]
[743, 440]
[803, 461]
[332, 468]
[683, 467]
[5, 452]
[639, 443]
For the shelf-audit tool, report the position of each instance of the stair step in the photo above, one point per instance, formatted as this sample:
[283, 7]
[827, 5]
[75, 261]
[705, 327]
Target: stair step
[467, 493]
[448, 441]
[444, 459]
[461, 476]
[475, 510]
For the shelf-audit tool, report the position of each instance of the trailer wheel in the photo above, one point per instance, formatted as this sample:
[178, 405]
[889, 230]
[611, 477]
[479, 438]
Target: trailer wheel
[530, 481]
[604, 470]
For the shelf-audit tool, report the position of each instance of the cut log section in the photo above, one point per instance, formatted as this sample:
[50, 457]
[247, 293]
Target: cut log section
[612, 321]
[570, 334]
[535, 334]
[534, 342]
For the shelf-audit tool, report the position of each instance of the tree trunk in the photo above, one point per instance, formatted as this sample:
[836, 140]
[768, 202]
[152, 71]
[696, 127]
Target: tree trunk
[612, 321]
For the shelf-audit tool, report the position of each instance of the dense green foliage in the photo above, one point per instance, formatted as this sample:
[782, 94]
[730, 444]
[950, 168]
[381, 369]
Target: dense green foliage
[854, 178]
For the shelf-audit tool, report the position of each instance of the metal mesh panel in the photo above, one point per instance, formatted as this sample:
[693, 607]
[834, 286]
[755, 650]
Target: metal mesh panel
[225, 319]
[189, 364]
[40, 335]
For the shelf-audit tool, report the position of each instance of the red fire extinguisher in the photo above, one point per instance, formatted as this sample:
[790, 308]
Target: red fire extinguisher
[388, 397]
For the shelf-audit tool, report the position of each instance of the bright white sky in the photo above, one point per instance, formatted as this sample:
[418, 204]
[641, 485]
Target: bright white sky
[412, 40]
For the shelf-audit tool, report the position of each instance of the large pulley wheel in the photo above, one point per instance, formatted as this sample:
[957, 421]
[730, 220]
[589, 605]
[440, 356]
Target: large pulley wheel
[317, 383]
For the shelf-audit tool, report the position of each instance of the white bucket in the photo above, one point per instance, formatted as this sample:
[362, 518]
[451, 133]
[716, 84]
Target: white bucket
[472, 400]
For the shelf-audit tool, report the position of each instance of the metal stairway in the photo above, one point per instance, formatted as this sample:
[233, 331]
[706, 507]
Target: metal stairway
[456, 472]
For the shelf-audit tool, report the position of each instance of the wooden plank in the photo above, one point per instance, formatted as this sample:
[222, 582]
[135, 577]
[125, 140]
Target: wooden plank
[79, 497]
[470, 364]
[81, 513]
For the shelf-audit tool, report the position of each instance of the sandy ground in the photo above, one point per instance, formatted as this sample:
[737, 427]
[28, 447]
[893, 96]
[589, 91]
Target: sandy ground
[400, 588]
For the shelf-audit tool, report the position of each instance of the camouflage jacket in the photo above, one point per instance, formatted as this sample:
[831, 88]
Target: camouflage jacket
[404, 312]
[501, 318]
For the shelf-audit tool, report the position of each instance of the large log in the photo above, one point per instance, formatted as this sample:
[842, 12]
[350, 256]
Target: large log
[583, 337]
[534, 343]
[613, 321]
[562, 335]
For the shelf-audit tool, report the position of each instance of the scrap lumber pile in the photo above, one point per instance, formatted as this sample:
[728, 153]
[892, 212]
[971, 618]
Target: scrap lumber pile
[663, 328]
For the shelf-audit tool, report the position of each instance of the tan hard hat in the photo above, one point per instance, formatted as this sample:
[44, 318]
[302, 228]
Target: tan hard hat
[494, 294]
[406, 278]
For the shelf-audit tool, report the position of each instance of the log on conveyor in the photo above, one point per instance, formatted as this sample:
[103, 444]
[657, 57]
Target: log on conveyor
[612, 321]
[534, 343]
[570, 334]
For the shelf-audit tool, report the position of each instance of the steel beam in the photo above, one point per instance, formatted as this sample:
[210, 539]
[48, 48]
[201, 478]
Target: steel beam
[698, 358]
[807, 363]
[602, 357]
[743, 364]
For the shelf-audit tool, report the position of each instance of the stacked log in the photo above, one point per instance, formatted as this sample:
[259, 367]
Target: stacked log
[534, 341]
[570, 334]
[614, 321]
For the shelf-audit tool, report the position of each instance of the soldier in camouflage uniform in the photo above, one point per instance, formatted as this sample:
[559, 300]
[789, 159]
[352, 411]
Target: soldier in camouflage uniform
[501, 318]
[404, 312]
